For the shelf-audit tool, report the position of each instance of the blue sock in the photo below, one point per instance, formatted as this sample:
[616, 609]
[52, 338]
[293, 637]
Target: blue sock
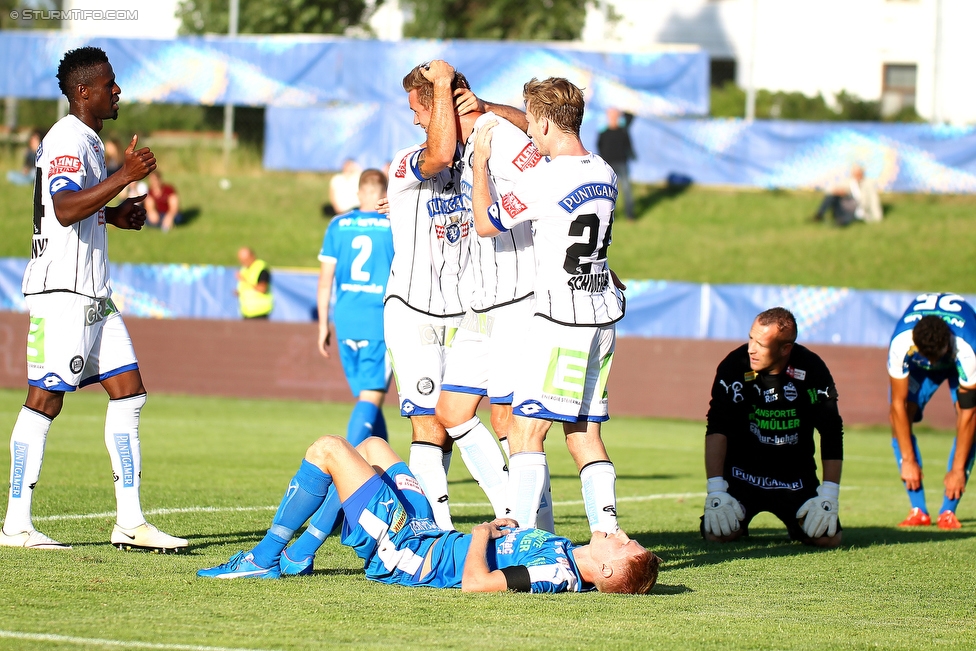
[379, 426]
[916, 497]
[952, 505]
[319, 527]
[360, 425]
[304, 496]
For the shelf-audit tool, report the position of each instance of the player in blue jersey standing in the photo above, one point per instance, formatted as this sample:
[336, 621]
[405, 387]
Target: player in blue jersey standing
[356, 254]
[933, 343]
[390, 525]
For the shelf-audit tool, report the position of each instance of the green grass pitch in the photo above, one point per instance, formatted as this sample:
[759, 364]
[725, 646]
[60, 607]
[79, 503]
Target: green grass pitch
[214, 469]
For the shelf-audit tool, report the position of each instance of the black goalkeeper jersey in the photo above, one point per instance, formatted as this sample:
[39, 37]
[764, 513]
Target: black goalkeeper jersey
[769, 419]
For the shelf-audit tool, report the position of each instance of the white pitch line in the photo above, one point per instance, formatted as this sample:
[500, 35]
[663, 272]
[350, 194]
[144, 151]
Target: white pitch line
[127, 644]
[454, 505]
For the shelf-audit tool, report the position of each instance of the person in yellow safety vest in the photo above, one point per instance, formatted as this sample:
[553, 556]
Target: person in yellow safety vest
[254, 286]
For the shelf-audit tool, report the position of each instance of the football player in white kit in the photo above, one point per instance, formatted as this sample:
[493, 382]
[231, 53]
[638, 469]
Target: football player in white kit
[482, 359]
[77, 336]
[569, 347]
[427, 292]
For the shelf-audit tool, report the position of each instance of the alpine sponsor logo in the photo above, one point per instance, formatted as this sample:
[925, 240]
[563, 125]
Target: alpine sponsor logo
[592, 283]
[123, 447]
[769, 483]
[796, 373]
[442, 206]
[512, 205]
[789, 391]
[38, 247]
[63, 165]
[528, 157]
[408, 483]
[18, 468]
[588, 192]
[401, 172]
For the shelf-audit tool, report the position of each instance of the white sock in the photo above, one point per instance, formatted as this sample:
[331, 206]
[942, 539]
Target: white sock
[526, 481]
[484, 460]
[545, 519]
[26, 456]
[427, 465]
[600, 496]
[506, 448]
[122, 441]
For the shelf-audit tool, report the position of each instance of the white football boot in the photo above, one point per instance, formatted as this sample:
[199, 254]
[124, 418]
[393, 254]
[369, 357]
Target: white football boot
[32, 539]
[146, 536]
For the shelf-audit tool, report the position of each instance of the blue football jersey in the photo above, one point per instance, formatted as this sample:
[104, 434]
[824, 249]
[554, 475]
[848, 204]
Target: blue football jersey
[361, 244]
[959, 315]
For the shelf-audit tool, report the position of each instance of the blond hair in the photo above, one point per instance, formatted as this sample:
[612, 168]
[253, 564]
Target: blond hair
[556, 99]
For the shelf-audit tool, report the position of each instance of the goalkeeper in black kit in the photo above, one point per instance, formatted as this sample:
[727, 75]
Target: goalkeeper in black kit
[768, 397]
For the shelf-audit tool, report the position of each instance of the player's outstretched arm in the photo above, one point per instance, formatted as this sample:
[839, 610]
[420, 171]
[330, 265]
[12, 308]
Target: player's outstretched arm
[477, 577]
[901, 430]
[70, 207]
[465, 101]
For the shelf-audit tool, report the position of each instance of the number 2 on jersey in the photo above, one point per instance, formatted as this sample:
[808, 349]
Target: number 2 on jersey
[365, 246]
[590, 224]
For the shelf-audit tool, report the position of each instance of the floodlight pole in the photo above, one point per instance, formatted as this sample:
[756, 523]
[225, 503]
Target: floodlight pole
[233, 18]
[936, 55]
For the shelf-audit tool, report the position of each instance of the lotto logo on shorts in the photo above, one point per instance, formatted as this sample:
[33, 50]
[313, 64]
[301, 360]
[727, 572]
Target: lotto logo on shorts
[528, 157]
[63, 164]
[512, 205]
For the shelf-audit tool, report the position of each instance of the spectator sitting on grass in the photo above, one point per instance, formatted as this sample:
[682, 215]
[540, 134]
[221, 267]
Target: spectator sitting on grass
[856, 199]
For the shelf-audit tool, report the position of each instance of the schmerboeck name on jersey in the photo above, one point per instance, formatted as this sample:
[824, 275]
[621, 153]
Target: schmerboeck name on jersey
[588, 192]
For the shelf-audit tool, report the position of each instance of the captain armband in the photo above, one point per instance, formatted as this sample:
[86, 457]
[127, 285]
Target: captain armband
[517, 578]
[966, 400]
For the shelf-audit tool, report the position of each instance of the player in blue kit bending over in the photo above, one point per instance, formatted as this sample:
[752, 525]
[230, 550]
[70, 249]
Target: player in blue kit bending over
[933, 342]
[357, 252]
[389, 523]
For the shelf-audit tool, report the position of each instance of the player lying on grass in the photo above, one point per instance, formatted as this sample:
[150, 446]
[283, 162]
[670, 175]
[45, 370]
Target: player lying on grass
[389, 523]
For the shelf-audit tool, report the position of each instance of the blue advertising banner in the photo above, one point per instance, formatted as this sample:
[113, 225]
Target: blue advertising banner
[655, 308]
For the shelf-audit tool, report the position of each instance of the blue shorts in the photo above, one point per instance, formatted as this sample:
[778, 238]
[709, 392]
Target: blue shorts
[365, 364]
[922, 384]
[389, 524]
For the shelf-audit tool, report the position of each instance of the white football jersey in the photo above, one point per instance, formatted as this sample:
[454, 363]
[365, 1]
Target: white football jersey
[570, 202]
[68, 258]
[504, 266]
[431, 238]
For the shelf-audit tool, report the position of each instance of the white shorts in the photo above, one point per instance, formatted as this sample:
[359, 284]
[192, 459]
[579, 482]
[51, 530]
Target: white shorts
[564, 373]
[416, 344]
[484, 357]
[75, 341]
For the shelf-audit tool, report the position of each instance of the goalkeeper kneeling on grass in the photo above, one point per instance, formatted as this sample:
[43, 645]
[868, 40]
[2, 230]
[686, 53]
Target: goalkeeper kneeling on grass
[768, 397]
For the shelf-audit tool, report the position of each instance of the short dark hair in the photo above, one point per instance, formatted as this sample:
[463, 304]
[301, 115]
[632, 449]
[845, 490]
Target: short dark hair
[78, 67]
[932, 337]
[415, 80]
[781, 318]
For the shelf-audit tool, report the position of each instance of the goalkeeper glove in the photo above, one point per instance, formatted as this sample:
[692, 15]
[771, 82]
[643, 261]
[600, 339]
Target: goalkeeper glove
[819, 514]
[722, 511]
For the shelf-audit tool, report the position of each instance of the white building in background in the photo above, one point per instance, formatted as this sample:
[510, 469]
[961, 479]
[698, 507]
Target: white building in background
[128, 19]
[901, 52]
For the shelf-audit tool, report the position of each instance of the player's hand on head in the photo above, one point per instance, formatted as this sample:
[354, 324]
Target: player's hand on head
[465, 101]
[438, 69]
[819, 514]
[723, 513]
[137, 163]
